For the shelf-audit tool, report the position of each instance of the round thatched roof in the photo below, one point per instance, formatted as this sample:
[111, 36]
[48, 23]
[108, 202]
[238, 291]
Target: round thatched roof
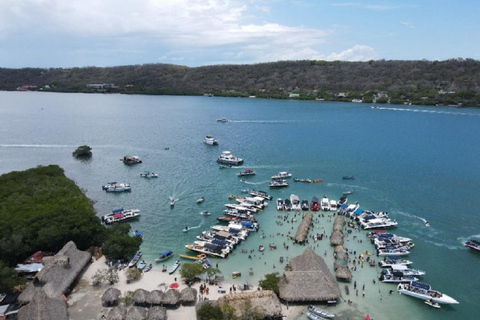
[136, 313]
[339, 248]
[344, 273]
[336, 238]
[172, 297]
[157, 313]
[337, 227]
[42, 307]
[342, 255]
[117, 313]
[339, 220]
[156, 297]
[188, 295]
[111, 296]
[140, 296]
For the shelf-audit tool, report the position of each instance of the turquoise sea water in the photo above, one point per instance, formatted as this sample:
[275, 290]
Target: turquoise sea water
[414, 162]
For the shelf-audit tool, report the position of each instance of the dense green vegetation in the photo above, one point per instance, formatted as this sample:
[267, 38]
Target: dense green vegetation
[82, 152]
[41, 209]
[270, 282]
[419, 82]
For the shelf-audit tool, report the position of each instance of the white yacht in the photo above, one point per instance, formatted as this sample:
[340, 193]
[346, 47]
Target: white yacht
[282, 175]
[406, 270]
[393, 252]
[227, 158]
[148, 174]
[210, 141]
[325, 204]
[424, 291]
[378, 223]
[209, 249]
[116, 187]
[279, 204]
[295, 200]
[386, 263]
[120, 215]
[278, 184]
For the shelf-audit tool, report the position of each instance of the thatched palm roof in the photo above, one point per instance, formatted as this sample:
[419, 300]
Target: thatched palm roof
[117, 313]
[309, 280]
[342, 255]
[42, 307]
[339, 220]
[304, 227]
[156, 297]
[337, 227]
[264, 302]
[59, 273]
[344, 273]
[172, 297]
[110, 297]
[336, 238]
[188, 295]
[157, 313]
[140, 296]
[136, 313]
[339, 248]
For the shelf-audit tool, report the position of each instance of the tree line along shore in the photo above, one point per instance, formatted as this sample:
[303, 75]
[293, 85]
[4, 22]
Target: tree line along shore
[453, 82]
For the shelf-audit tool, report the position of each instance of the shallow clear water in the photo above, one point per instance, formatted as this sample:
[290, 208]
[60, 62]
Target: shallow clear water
[414, 162]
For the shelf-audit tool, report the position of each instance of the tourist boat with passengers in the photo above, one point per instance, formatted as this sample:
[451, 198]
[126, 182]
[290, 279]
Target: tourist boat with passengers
[295, 201]
[282, 175]
[227, 158]
[424, 291]
[117, 187]
[164, 256]
[393, 252]
[277, 183]
[406, 270]
[131, 160]
[246, 172]
[148, 174]
[304, 205]
[389, 262]
[209, 140]
[209, 249]
[389, 276]
[378, 223]
[120, 215]
[315, 204]
[325, 204]
[260, 193]
[473, 244]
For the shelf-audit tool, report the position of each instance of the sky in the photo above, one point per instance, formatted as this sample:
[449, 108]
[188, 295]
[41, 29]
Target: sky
[80, 33]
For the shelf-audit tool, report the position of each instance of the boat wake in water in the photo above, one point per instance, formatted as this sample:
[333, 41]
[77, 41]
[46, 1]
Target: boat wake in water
[254, 183]
[429, 111]
[187, 228]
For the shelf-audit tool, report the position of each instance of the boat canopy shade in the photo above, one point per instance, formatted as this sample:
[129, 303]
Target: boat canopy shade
[343, 206]
[223, 234]
[234, 231]
[118, 210]
[166, 253]
[219, 242]
[118, 215]
[359, 211]
[386, 236]
[213, 247]
[146, 171]
[420, 285]
[247, 223]
[380, 231]
[369, 217]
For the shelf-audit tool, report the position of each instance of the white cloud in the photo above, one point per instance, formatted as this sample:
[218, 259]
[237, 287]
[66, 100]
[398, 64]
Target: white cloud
[356, 53]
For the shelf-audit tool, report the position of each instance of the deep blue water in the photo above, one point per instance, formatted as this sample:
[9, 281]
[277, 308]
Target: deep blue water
[414, 162]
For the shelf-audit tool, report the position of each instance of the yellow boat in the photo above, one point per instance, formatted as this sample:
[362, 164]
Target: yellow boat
[236, 274]
[318, 180]
[198, 257]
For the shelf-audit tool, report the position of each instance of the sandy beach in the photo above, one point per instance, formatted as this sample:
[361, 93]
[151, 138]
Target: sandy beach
[85, 300]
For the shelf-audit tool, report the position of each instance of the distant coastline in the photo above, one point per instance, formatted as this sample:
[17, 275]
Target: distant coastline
[451, 82]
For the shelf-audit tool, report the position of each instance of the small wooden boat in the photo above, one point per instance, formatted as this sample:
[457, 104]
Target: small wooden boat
[272, 246]
[348, 178]
[320, 312]
[141, 265]
[261, 248]
[236, 274]
[164, 256]
[432, 304]
[318, 180]
[148, 268]
[135, 259]
[174, 267]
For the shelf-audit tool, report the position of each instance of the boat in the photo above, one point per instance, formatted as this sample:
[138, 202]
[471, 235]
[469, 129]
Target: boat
[282, 175]
[200, 200]
[137, 233]
[313, 316]
[278, 183]
[281, 259]
[392, 252]
[117, 187]
[272, 246]
[148, 174]
[186, 229]
[164, 256]
[261, 248]
[325, 204]
[348, 178]
[333, 204]
[205, 213]
[427, 224]
[260, 193]
[172, 202]
[302, 180]
[424, 291]
[250, 271]
[287, 205]
[388, 276]
[222, 120]
[279, 204]
[317, 180]
[148, 268]
[346, 193]
[225, 166]
[304, 205]
[315, 204]
[246, 172]
[196, 258]
[320, 312]
[141, 265]
[131, 160]
[209, 249]
[378, 223]
[227, 158]
[210, 141]
[406, 270]
[135, 259]
[120, 215]
[473, 244]
[295, 201]
[432, 304]
[387, 263]
[174, 267]
[236, 274]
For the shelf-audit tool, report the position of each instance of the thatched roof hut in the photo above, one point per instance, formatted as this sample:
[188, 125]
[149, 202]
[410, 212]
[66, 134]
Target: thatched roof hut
[117, 313]
[157, 313]
[136, 313]
[344, 273]
[339, 248]
[156, 298]
[110, 297]
[339, 220]
[342, 255]
[309, 280]
[336, 238]
[264, 302]
[140, 297]
[338, 227]
[172, 298]
[43, 307]
[304, 227]
[188, 296]
[59, 273]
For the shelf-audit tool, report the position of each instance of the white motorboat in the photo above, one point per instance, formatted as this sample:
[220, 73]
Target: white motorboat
[424, 291]
[325, 204]
[117, 187]
[209, 249]
[333, 204]
[120, 215]
[406, 270]
[227, 158]
[148, 174]
[378, 223]
[222, 120]
[131, 160]
[210, 141]
[282, 175]
[314, 316]
[388, 276]
[295, 201]
[287, 205]
[174, 267]
[320, 312]
[387, 263]
[393, 252]
[382, 234]
[172, 202]
[279, 204]
[278, 183]
[200, 200]
[246, 172]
